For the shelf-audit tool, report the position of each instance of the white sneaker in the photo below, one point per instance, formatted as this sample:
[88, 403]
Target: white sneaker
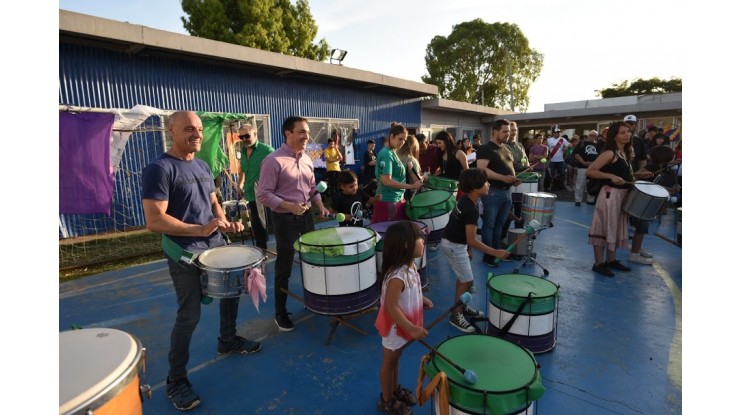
[637, 258]
[458, 321]
[646, 254]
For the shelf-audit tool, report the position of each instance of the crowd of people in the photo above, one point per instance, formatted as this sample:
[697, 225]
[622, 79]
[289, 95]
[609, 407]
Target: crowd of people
[179, 199]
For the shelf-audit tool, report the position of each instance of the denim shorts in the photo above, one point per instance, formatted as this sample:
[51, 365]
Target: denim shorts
[457, 256]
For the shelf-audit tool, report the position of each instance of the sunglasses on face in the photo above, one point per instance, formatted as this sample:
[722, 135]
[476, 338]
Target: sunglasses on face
[245, 136]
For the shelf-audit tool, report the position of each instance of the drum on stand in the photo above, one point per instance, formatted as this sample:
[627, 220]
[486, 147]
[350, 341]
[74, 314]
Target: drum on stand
[432, 207]
[521, 248]
[421, 263]
[224, 269]
[529, 181]
[523, 309]
[538, 206]
[441, 183]
[645, 200]
[509, 380]
[339, 270]
[99, 372]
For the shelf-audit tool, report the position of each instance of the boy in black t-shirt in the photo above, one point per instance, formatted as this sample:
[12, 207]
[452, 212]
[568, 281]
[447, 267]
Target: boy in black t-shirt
[460, 233]
[349, 201]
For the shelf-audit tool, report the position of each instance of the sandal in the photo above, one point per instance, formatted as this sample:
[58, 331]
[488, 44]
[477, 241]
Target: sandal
[404, 395]
[393, 407]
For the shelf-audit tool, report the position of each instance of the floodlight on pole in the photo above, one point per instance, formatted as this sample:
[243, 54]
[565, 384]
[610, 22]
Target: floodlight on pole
[337, 56]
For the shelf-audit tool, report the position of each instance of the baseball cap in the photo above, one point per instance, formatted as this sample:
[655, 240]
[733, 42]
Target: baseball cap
[556, 130]
[630, 118]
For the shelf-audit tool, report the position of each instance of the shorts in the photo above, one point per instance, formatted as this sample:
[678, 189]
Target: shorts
[457, 256]
[393, 341]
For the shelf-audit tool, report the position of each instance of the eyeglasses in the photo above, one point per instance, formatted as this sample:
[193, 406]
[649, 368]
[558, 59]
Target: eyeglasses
[245, 136]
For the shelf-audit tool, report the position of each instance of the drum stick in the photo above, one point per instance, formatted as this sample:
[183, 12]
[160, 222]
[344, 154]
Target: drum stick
[413, 169]
[464, 299]
[470, 376]
[527, 169]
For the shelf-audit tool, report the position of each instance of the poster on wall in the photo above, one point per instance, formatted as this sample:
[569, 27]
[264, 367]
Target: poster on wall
[316, 152]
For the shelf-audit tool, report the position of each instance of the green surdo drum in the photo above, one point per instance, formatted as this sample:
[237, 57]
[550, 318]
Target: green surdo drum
[508, 382]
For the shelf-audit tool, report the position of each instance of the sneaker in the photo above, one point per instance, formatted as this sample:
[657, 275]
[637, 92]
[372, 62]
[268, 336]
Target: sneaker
[578, 203]
[182, 395]
[471, 312]
[490, 262]
[284, 323]
[432, 247]
[458, 321]
[639, 259]
[602, 269]
[239, 345]
[618, 266]
[646, 254]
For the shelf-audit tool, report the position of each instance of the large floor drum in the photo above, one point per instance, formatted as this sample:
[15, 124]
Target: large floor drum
[339, 270]
[99, 372]
[524, 309]
[421, 263]
[508, 381]
[538, 206]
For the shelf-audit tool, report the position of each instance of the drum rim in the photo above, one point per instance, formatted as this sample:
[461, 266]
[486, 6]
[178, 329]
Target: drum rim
[213, 268]
[357, 242]
[499, 290]
[105, 395]
[410, 205]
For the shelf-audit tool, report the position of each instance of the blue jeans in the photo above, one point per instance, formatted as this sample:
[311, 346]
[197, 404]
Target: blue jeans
[287, 228]
[496, 208]
[186, 279]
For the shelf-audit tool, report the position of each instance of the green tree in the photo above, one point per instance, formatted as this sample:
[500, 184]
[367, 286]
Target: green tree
[272, 25]
[641, 87]
[484, 63]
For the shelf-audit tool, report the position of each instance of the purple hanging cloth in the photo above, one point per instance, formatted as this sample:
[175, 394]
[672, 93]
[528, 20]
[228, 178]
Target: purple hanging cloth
[85, 176]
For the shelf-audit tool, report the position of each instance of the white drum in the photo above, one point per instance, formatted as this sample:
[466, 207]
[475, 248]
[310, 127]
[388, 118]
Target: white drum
[645, 200]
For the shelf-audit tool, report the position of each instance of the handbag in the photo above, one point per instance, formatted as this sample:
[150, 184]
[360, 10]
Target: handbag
[593, 186]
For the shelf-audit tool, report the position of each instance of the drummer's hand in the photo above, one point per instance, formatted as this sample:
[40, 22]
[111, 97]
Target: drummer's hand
[501, 253]
[211, 227]
[239, 193]
[418, 332]
[428, 304]
[298, 208]
[617, 180]
[644, 174]
[324, 213]
[511, 180]
[233, 227]
[416, 185]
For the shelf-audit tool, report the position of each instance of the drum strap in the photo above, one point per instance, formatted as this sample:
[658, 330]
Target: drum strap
[175, 252]
[516, 315]
[438, 382]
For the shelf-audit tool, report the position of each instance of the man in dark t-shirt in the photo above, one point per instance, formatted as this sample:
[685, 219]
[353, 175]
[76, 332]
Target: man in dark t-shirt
[497, 161]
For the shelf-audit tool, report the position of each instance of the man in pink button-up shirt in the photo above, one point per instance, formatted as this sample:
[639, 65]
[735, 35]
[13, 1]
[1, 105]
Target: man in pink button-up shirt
[286, 185]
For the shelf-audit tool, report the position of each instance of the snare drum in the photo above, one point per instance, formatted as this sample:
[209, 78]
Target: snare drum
[421, 263]
[432, 207]
[225, 268]
[338, 269]
[538, 206]
[509, 380]
[441, 183]
[523, 309]
[99, 372]
[645, 200]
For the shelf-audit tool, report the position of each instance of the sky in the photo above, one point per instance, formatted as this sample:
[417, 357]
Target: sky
[390, 36]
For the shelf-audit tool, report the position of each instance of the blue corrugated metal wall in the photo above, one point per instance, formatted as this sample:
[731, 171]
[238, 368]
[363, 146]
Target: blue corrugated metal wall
[98, 78]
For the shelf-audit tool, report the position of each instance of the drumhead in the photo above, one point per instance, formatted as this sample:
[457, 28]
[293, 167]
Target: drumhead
[347, 240]
[520, 285]
[94, 364]
[501, 365]
[652, 189]
[382, 227]
[230, 256]
[430, 198]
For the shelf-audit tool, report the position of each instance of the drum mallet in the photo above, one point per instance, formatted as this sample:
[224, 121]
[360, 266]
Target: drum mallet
[470, 376]
[465, 298]
[529, 229]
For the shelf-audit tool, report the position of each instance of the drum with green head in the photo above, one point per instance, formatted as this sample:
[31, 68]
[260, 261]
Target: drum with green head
[523, 308]
[508, 377]
[441, 183]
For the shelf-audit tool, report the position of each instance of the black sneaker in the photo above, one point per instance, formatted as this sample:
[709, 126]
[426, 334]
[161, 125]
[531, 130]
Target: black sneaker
[490, 262]
[182, 395]
[284, 323]
[602, 269]
[458, 321]
[238, 345]
[578, 203]
[618, 266]
[471, 312]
